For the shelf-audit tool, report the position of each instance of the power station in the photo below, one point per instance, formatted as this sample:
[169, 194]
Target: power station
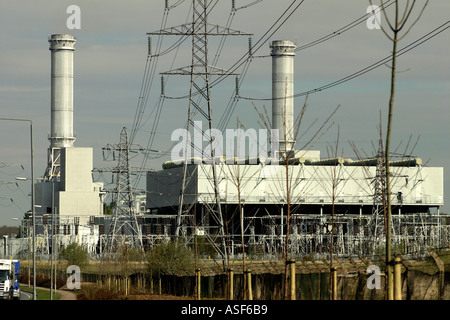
[233, 203]
[255, 195]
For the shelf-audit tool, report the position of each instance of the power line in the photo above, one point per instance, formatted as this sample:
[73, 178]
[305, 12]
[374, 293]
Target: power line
[158, 106]
[254, 48]
[244, 59]
[260, 42]
[147, 81]
[373, 66]
[338, 32]
[234, 99]
[345, 28]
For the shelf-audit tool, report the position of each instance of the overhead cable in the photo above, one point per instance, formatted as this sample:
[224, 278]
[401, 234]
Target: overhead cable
[373, 66]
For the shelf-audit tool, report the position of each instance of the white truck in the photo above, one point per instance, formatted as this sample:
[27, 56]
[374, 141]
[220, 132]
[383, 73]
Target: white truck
[9, 279]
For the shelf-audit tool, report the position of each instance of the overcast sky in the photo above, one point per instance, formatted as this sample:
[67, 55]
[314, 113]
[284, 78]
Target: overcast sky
[111, 54]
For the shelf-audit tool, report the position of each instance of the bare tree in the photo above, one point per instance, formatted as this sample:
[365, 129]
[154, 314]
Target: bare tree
[395, 33]
[335, 180]
[239, 176]
[288, 158]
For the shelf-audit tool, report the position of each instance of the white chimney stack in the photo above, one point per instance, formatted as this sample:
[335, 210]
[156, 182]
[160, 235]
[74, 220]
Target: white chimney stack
[61, 132]
[62, 48]
[282, 52]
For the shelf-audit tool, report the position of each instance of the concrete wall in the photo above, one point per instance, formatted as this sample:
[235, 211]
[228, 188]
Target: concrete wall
[76, 169]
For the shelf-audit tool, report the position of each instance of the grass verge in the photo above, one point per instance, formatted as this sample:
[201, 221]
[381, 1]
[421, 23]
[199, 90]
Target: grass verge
[41, 294]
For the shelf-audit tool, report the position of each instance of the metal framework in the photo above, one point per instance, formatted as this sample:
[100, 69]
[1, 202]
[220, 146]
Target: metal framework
[124, 227]
[200, 72]
[310, 236]
[379, 186]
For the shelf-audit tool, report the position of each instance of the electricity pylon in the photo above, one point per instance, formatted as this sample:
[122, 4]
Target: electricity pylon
[124, 228]
[379, 196]
[200, 102]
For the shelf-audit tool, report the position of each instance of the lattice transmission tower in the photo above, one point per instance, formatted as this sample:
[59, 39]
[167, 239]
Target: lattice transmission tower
[124, 228]
[379, 196]
[200, 72]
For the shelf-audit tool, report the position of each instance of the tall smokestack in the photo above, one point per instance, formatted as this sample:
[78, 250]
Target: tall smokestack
[61, 133]
[62, 48]
[282, 52]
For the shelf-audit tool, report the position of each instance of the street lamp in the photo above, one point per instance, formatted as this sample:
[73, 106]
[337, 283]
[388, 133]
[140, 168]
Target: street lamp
[53, 276]
[28, 234]
[32, 198]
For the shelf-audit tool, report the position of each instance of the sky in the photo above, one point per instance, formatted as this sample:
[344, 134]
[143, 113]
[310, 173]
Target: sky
[111, 54]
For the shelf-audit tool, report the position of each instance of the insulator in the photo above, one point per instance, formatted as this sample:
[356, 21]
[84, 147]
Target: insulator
[162, 86]
[233, 5]
[250, 47]
[237, 86]
[149, 46]
[167, 4]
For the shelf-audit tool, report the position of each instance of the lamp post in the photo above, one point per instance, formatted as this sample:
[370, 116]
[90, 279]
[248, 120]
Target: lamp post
[32, 198]
[28, 236]
[52, 275]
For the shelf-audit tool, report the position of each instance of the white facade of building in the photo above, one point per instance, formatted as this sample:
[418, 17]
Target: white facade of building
[308, 184]
[74, 195]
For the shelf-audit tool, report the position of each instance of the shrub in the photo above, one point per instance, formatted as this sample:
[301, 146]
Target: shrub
[74, 254]
[91, 292]
[169, 258]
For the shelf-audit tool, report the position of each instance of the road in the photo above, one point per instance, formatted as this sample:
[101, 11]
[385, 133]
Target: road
[26, 295]
[64, 295]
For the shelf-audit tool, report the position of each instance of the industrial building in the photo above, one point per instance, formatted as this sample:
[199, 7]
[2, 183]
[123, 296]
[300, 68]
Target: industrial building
[263, 198]
[254, 194]
[67, 184]
[67, 201]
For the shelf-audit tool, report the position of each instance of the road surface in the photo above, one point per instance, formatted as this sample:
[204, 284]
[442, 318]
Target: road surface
[64, 294]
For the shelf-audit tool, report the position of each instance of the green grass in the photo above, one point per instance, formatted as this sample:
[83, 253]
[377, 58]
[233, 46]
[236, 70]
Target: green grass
[41, 294]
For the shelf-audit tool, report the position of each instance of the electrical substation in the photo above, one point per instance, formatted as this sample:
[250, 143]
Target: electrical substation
[233, 201]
